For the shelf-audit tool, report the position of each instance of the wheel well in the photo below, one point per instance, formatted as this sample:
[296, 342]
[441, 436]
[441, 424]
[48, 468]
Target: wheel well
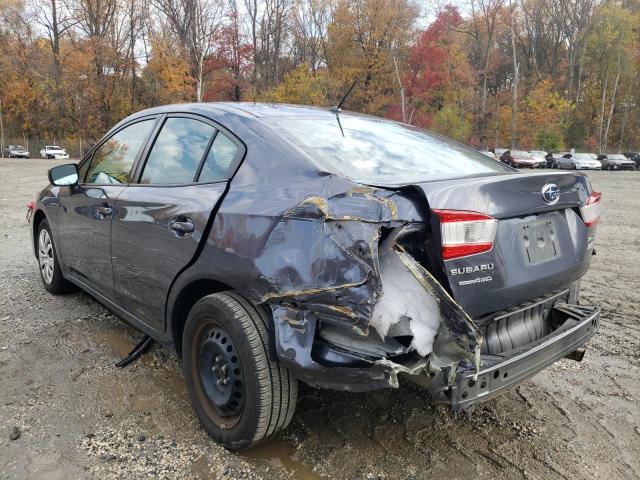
[187, 297]
[37, 218]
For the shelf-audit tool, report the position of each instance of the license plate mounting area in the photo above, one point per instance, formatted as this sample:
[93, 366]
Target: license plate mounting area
[539, 240]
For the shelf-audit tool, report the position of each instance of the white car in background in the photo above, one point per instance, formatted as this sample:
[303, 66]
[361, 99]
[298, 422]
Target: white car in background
[579, 161]
[53, 151]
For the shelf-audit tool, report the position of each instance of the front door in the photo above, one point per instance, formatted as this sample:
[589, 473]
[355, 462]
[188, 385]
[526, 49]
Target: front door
[160, 222]
[85, 213]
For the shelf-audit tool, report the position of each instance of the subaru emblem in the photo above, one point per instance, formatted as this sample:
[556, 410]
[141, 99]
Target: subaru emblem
[550, 193]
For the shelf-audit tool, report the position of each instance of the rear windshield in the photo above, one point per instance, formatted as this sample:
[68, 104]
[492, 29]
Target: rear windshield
[375, 151]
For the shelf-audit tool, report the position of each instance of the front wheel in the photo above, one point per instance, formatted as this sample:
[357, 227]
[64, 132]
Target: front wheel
[49, 266]
[239, 392]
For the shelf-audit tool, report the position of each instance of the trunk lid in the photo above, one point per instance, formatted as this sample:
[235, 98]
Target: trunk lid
[540, 245]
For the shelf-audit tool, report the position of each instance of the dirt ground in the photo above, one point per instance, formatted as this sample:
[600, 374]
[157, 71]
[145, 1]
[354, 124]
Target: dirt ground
[77, 416]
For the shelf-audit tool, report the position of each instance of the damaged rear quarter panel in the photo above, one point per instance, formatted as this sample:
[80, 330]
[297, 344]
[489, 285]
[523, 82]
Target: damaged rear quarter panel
[312, 250]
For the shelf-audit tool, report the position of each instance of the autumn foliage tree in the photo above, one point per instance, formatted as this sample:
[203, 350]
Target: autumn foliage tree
[544, 74]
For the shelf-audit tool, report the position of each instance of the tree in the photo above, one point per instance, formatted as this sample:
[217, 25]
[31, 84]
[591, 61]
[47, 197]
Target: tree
[167, 72]
[610, 38]
[451, 122]
[194, 24]
[437, 70]
[363, 38]
[302, 86]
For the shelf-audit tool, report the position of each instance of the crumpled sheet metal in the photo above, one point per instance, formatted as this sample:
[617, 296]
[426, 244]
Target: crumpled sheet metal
[322, 262]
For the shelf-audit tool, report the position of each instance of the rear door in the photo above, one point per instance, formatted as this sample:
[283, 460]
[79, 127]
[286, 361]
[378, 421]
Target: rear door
[161, 220]
[85, 213]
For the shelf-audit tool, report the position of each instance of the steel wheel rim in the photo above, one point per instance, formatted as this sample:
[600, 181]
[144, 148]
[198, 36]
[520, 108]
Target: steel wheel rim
[45, 256]
[221, 375]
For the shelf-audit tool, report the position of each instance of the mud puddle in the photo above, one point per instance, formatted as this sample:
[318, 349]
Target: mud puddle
[115, 340]
[282, 455]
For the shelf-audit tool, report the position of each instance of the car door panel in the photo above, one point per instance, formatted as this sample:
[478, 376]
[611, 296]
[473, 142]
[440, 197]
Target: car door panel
[151, 242]
[84, 224]
[159, 222]
[86, 210]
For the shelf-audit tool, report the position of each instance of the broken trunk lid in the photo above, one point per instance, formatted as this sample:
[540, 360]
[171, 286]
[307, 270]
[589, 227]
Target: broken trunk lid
[536, 245]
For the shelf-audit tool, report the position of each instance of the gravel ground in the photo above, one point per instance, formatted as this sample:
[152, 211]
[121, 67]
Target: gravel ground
[67, 412]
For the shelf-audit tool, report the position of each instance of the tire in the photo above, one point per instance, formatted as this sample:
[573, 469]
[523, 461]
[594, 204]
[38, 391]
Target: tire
[48, 265]
[241, 395]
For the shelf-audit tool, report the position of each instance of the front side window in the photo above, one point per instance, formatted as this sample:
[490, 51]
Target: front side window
[219, 162]
[112, 161]
[177, 152]
[377, 151]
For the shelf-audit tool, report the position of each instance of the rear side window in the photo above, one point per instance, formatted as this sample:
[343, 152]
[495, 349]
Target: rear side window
[112, 161]
[378, 151]
[219, 160]
[177, 152]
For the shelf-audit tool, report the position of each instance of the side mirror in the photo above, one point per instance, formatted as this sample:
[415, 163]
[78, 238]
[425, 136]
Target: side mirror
[64, 175]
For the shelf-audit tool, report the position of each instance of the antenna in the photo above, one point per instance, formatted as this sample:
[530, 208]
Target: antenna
[337, 109]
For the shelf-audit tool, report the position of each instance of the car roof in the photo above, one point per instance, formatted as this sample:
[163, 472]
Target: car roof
[244, 109]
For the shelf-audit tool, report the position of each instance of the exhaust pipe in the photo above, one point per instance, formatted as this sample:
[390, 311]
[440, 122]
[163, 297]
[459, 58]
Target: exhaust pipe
[576, 355]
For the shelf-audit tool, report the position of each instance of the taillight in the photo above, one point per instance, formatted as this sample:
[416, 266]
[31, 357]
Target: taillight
[592, 210]
[465, 233]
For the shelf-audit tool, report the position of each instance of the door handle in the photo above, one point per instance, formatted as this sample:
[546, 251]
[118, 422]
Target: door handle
[104, 210]
[182, 227]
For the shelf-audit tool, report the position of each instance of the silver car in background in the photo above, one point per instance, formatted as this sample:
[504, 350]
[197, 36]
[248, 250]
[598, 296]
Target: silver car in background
[578, 161]
[616, 161]
[16, 151]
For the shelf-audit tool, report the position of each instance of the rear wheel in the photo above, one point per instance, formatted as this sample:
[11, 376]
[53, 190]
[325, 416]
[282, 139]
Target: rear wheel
[240, 394]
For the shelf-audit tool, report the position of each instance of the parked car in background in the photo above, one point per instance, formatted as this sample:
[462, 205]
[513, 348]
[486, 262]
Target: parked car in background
[635, 156]
[489, 154]
[499, 151]
[53, 151]
[519, 159]
[16, 151]
[579, 161]
[550, 159]
[541, 156]
[181, 221]
[555, 157]
[616, 161]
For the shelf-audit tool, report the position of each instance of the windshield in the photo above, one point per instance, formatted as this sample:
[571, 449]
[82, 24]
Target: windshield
[520, 153]
[616, 157]
[582, 156]
[375, 151]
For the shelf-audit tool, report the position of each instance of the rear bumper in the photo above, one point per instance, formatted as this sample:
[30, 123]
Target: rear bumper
[499, 372]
